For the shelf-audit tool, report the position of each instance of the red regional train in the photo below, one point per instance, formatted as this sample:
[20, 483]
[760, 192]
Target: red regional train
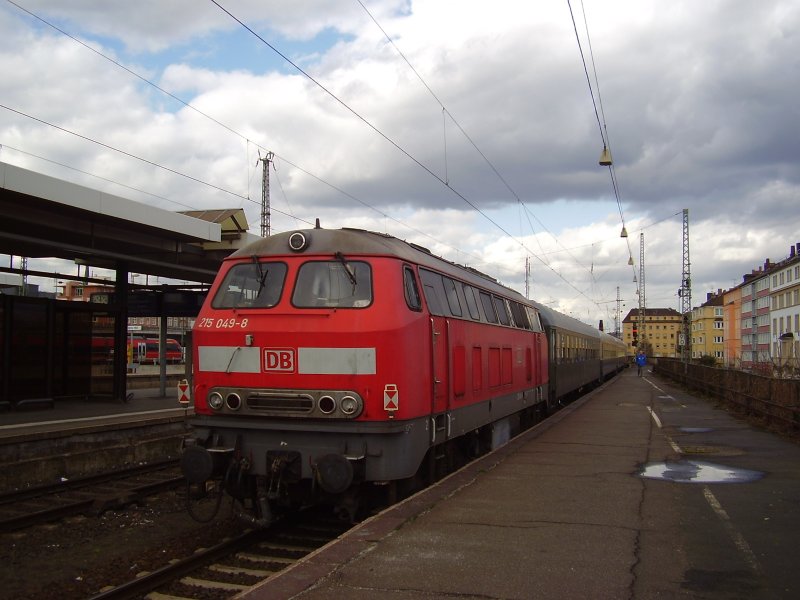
[328, 363]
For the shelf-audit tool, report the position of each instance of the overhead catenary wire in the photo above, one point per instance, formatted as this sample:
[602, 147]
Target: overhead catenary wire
[389, 140]
[296, 166]
[445, 111]
[233, 131]
[601, 124]
[486, 159]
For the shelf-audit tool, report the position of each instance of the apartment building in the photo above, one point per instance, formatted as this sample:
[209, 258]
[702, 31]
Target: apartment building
[708, 332]
[659, 336]
[785, 309]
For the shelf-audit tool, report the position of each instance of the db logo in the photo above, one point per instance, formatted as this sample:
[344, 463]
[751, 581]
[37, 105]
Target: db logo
[279, 359]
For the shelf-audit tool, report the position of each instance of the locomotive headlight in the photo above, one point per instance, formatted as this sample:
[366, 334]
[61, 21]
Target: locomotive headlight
[233, 401]
[215, 400]
[326, 404]
[349, 405]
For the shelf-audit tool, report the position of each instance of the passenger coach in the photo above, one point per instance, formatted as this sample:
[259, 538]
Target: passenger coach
[580, 355]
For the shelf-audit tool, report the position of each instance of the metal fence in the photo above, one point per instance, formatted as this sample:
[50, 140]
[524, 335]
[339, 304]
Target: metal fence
[777, 401]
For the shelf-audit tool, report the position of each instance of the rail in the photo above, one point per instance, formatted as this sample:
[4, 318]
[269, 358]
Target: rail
[92, 494]
[234, 564]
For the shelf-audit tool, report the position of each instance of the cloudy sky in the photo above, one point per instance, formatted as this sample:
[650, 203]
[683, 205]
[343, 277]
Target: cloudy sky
[467, 127]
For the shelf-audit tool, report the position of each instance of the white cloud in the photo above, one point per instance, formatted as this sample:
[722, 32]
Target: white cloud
[699, 103]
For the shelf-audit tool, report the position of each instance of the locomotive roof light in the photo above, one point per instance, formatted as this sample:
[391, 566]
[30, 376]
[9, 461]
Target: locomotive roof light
[215, 400]
[299, 241]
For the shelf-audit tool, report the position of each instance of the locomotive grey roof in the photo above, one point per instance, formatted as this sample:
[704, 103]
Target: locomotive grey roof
[359, 242]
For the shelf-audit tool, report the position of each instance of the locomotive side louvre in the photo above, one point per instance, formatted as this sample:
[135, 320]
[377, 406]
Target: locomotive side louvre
[337, 356]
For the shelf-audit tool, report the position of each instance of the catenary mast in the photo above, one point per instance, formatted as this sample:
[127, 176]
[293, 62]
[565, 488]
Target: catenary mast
[685, 294]
[265, 208]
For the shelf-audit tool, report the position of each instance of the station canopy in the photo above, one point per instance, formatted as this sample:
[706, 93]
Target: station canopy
[45, 217]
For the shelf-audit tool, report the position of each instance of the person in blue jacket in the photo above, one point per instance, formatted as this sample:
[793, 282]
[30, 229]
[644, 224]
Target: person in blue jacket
[641, 361]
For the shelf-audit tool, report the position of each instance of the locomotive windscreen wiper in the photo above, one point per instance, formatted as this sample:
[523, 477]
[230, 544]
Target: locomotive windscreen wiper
[262, 275]
[340, 257]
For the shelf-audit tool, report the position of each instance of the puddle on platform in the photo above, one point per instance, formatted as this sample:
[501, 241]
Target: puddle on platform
[695, 429]
[693, 471]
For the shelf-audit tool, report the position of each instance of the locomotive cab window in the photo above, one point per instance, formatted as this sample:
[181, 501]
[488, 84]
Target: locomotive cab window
[410, 286]
[251, 285]
[433, 289]
[333, 284]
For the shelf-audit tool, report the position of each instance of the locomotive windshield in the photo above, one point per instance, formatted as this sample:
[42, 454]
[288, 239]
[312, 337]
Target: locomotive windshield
[334, 284]
[251, 285]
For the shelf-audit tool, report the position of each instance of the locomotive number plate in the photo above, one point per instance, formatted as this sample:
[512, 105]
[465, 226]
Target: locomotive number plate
[232, 323]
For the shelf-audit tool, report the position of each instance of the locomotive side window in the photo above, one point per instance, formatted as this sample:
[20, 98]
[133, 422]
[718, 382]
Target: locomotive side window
[411, 292]
[502, 311]
[333, 284]
[452, 296]
[251, 285]
[472, 304]
[488, 307]
[534, 319]
[520, 316]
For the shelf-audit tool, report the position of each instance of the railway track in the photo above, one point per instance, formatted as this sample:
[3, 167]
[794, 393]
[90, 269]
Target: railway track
[233, 565]
[86, 495]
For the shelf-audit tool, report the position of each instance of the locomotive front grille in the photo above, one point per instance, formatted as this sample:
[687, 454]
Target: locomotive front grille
[282, 403]
[298, 404]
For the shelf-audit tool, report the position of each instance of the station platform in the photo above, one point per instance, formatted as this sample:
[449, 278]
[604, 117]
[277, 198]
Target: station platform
[636, 491]
[77, 437]
[75, 415]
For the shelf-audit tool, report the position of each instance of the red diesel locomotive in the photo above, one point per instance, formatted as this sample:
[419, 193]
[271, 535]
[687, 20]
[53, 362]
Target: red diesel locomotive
[331, 362]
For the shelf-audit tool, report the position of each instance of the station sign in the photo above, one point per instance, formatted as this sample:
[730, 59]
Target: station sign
[172, 303]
